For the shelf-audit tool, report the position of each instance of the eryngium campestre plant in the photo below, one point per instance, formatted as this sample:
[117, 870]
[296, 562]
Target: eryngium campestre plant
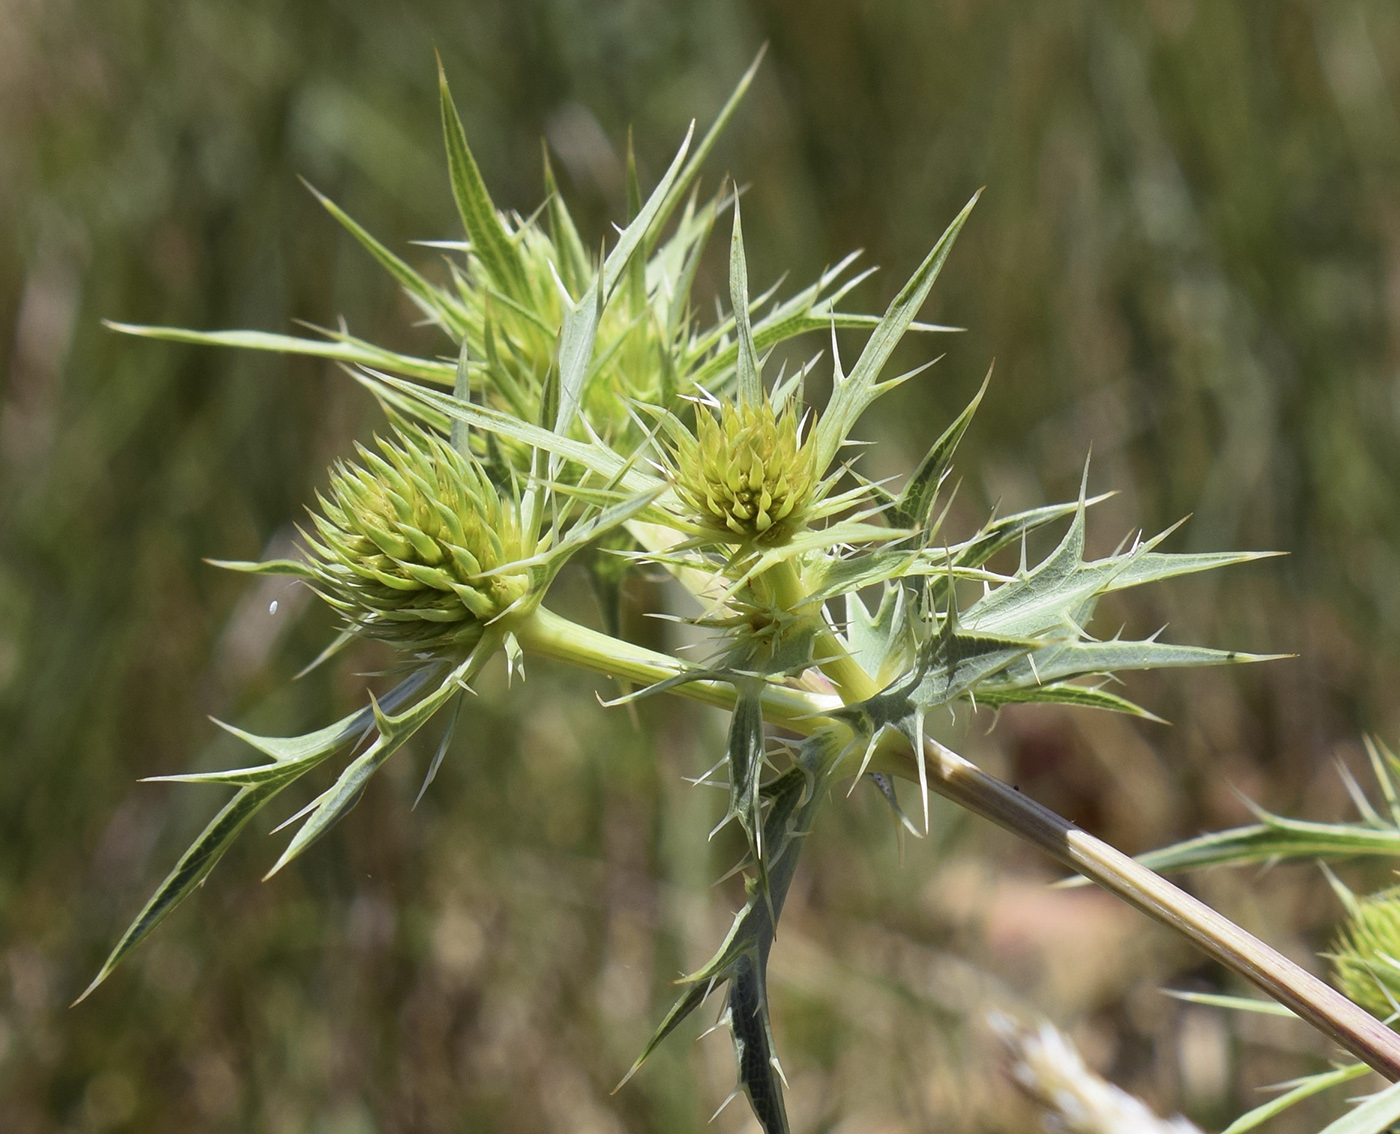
[416, 545]
[572, 406]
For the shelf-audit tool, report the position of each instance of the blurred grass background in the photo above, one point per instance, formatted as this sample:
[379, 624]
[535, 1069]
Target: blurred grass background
[1188, 259]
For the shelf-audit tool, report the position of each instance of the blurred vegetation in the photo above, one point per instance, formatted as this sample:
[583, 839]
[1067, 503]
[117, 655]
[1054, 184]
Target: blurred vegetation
[1188, 259]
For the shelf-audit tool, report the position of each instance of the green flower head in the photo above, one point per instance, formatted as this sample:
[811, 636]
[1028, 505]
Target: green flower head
[747, 475]
[415, 545]
[1366, 957]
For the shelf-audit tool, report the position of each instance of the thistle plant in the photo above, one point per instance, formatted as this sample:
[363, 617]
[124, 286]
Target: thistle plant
[579, 401]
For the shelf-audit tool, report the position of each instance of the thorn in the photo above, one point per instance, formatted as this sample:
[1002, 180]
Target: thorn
[865, 760]
[731, 1097]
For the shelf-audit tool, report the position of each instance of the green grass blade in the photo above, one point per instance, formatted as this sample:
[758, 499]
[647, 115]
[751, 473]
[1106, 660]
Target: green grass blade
[1310, 1086]
[1275, 839]
[1376, 1115]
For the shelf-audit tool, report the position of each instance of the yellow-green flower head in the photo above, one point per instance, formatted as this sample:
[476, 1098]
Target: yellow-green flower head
[747, 475]
[415, 544]
[1366, 957]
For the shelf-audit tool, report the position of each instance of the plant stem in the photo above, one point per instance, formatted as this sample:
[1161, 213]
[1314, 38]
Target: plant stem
[961, 781]
[547, 634]
[833, 659]
[1321, 1005]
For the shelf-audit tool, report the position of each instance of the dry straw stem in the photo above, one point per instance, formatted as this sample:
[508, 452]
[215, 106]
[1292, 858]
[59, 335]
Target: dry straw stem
[964, 783]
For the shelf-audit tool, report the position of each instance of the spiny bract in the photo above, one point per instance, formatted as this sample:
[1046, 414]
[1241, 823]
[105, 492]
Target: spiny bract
[747, 473]
[415, 544]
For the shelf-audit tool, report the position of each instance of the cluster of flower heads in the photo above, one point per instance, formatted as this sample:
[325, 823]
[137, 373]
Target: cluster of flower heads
[443, 538]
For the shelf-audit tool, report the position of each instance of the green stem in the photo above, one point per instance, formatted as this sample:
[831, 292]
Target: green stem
[548, 635]
[957, 779]
[834, 660]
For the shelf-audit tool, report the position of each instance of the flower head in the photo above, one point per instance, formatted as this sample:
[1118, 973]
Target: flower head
[747, 475]
[415, 544]
[1366, 961]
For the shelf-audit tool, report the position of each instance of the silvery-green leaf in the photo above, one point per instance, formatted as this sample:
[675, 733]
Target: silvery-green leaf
[574, 267]
[636, 266]
[914, 507]
[864, 567]
[759, 1073]
[293, 756]
[689, 1000]
[882, 644]
[750, 385]
[998, 533]
[581, 322]
[342, 347]
[434, 302]
[399, 408]
[744, 755]
[1060, 660]
[852, 393]
[949, 665]
[490, 241]
[678, 187]
[992, 694]
[462, 392]
[593, 456]
[1060, 592]
[294, 567]
[792, 801]
[392, 732]
[194, 866]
